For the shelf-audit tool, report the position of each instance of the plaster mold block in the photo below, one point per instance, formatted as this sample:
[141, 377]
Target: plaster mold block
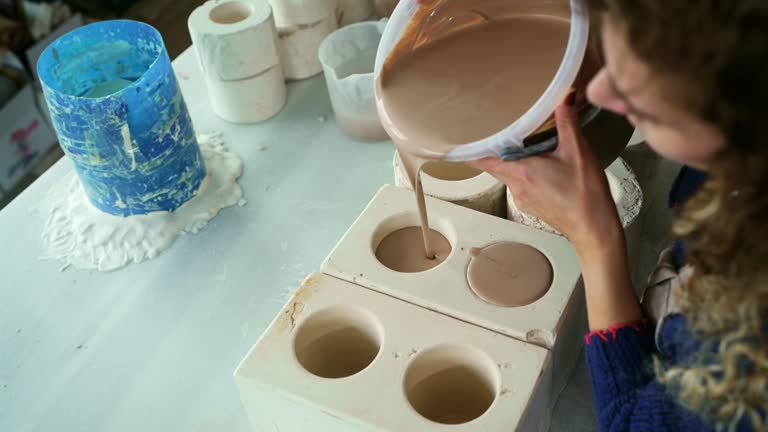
[301, 27]
[343, 358]
[555, 321]
[457, 183]
[237, 51]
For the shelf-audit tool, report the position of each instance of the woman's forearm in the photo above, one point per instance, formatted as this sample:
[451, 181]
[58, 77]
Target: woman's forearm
[610, 297]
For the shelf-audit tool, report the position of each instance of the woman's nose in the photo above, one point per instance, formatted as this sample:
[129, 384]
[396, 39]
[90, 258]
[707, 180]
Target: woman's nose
[600, 92]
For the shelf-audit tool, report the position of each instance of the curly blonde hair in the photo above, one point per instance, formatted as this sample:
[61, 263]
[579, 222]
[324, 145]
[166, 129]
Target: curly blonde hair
[713, 57]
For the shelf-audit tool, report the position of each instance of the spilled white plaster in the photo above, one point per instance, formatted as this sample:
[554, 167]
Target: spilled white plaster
[78, 234]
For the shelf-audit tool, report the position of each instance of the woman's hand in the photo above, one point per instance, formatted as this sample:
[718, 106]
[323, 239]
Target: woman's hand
[566, 189]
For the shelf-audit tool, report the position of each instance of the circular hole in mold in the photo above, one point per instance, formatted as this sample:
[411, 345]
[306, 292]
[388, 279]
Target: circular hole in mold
[403, 250]
[338, 342]
[231, 12]
[452, 384]
[398, 243]
[450, 171]
[509, 274]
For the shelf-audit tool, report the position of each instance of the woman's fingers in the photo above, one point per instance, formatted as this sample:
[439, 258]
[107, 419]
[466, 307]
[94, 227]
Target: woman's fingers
[509, 173]
[569, 135]
[495, 167]
[566, 189]
[485, 164]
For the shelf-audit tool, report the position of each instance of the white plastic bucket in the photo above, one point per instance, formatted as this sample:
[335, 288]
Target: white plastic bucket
[348, 56]
[511, 137]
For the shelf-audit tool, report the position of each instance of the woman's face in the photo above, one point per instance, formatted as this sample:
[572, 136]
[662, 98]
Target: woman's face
[627, 86]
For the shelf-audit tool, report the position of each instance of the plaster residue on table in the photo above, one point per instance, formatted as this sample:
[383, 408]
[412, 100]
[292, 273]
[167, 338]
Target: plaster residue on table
[78, 234]
[152, 347]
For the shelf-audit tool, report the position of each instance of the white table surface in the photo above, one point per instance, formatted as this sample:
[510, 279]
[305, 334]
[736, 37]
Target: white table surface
[152, 347]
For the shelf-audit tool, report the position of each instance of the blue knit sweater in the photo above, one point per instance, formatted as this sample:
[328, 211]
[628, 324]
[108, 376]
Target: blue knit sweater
[627, 395]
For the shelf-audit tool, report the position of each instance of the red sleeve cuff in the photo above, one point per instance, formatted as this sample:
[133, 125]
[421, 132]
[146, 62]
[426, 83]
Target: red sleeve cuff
[609, 334]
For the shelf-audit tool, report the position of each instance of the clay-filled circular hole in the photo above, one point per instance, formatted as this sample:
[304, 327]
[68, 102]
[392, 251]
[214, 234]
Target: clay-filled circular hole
[230, 13]
[403, 250]
[509, 274]
[338, 343]
[452, 384]
[450, 171]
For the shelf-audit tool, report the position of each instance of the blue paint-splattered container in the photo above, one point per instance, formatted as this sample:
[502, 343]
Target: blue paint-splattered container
[120, 117]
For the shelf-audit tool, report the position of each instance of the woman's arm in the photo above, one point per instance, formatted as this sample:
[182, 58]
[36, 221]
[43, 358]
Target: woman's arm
[627, 395]
[608, 287]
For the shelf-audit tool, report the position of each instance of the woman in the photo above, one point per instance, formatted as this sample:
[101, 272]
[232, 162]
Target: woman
[693, 77]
